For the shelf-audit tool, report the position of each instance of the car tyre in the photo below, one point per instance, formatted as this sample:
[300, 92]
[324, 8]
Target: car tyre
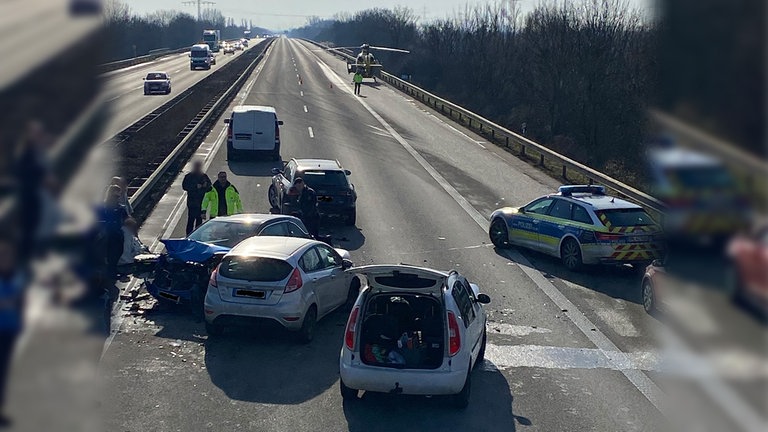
[346, 392]
[481, 353]
[307, 332]
[461, 399]
[272, 197]
[649, 298]
[499, 233]
[213, 330]
[570, 254]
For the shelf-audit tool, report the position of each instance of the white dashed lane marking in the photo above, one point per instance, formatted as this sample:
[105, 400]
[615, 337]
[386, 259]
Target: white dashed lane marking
[311, 132]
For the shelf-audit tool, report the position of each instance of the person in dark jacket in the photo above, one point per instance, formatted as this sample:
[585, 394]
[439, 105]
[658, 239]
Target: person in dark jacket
[196, 184]
[308, 206]
[111, 216]
[12, 287]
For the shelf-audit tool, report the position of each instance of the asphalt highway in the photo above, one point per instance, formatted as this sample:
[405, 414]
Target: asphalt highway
[567, 351]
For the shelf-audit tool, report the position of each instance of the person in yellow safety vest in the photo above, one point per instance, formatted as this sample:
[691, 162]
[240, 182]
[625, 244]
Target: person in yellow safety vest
[223, 199]
[358, 81]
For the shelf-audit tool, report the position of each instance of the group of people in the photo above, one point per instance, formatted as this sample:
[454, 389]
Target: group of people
[221, 198]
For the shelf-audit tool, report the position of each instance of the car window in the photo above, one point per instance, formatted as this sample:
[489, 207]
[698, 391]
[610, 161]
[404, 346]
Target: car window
[295, 230]
[627, 217]
[288, 172]
[539, 207]
[464, 303]
[580, 214]
[277, 229]
[156, 76]
[560, 209]
[310, 262]
[220, 233]
[468, 288]
[328, 257]
[322, 179]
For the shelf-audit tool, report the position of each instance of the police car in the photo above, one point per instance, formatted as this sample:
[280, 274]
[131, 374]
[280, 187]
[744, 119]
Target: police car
[580, 225]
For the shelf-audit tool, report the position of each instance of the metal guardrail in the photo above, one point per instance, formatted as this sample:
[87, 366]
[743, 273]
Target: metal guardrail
[146, 188]
[509, 139]
[121, 64]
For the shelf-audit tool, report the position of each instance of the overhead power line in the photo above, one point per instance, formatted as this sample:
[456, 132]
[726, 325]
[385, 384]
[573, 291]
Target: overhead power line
[199, 4]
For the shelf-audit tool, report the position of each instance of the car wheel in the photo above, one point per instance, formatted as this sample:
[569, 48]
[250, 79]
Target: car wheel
[481, 354]
[213, 330]
[649, 299]
[570, 254]
[346, 392]
[351, 218]
[272, 195]
[307, 332]
[461, 399]
[499, 233]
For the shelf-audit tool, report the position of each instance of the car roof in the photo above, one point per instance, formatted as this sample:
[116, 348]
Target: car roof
[201, 46]
[255, 218]
[681, 158]
[248, 108]
[275, 247]
[318, 164]
[600, 202]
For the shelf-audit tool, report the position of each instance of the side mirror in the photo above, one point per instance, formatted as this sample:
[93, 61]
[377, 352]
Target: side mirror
[276, 171]
[227, 121]
[280, 122]
[483, 298]
[521, 210]
[347, 264]
[347, 172]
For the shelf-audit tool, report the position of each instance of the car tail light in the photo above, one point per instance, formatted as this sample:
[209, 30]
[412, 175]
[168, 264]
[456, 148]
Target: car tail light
[294, 282]
[454, 337]
[213, 282]
[607, 237]
[349, 335]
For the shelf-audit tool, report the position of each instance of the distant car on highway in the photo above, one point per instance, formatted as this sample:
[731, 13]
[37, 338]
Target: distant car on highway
[200, 56]
[283, 281]
[580, 225]
[415, 331]
[86, 7]
[336, 195]
[244, 41]
[238, 46]
[229, 49]
[157, 82]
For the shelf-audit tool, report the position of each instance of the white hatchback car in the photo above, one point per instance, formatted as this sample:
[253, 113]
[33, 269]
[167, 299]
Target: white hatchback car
[414, 331]
[289, 281]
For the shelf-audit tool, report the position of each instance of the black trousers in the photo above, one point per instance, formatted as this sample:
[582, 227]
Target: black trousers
[312, 222]
[194, 219]
[357, 88]
[7, 342]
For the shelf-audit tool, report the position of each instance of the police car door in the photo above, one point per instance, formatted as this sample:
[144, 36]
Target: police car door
[555, 225]
[524, 227]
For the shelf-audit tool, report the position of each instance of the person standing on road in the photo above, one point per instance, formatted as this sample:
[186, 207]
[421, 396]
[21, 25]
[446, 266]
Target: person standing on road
[111, 216]
[308, 206]
[196, 183]
[223, 199]
[358, 81]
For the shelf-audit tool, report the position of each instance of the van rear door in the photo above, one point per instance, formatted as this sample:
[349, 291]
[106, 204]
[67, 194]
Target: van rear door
[264, 130]
[243, 130]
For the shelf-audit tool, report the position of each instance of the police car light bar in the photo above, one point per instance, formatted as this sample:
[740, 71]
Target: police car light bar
[590, 189]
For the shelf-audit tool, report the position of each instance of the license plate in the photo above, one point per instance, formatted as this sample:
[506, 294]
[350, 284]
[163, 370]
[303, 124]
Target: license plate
[172, 297]
[250, 293]
[325, 198]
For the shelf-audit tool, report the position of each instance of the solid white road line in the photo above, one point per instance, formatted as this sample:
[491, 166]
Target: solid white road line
[311, 132]
[638, 379]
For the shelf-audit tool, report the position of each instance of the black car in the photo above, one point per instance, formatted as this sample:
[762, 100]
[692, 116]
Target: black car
[336, 196]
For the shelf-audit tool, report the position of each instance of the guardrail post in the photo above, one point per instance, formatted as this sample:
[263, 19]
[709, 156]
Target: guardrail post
[493, 134]
[470, 123]
[541, 159]
[522, 150]
[565, 175]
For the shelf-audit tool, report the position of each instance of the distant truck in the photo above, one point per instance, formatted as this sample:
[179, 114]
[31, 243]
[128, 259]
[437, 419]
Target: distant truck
[213, 39]
[247, 34]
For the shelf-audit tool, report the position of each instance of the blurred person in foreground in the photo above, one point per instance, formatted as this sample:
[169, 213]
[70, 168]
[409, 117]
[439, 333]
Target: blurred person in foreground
[12, 287]
[31, 170]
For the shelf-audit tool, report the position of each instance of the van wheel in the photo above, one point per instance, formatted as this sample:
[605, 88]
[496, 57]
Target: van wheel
[307, 332]
[461, 399]
[346, 392]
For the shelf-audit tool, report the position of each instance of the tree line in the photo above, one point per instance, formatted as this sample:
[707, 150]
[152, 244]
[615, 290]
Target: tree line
[579, 76]
[132, 35]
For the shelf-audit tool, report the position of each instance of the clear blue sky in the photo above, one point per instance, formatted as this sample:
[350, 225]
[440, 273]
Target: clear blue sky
[285, 14]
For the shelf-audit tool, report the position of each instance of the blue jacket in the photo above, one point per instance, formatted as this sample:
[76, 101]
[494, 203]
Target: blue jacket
[11, 304]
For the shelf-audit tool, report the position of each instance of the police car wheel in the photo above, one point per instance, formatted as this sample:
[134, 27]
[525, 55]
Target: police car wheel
[570, 254]
[499, 234]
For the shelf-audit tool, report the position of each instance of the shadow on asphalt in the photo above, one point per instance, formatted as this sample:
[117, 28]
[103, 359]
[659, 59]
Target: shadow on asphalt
[256, 168]
[345, 237]
[270, 366]
[490, 408]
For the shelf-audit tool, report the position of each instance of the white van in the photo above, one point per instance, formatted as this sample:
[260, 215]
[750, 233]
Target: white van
[200, 57]
[253, 129]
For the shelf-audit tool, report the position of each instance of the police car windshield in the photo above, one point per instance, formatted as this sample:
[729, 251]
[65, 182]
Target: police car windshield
[715, 177]
[320, 179]
[627, 217]
[227, 234]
